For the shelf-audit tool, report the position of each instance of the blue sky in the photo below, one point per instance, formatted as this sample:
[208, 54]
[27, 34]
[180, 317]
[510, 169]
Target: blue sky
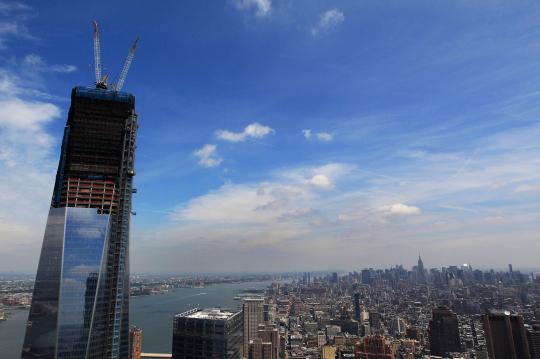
[291, 135]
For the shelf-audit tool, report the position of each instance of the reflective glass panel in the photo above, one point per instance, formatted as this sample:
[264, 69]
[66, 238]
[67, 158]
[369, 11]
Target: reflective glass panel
[40, 340]
[85, 239]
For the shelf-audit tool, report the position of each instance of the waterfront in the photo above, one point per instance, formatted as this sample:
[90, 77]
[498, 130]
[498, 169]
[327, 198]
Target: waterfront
[152, 313]
[12, 333]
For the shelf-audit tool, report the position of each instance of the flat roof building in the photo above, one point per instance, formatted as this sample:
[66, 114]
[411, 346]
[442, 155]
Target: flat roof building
[207, 333]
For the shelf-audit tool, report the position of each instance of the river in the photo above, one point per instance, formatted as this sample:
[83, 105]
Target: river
[153, 314]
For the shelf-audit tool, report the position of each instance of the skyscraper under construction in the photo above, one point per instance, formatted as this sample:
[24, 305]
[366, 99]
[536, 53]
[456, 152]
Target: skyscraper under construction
[80, 306]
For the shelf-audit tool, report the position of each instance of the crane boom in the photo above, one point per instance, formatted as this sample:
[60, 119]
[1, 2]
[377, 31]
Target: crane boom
[127, 64]
[97, 54]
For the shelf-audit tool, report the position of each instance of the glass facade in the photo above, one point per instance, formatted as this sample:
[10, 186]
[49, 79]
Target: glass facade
[68, 285]
[84, 244]
[40, 340]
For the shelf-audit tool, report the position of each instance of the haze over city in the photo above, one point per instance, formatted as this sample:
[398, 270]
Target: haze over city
[280, 135]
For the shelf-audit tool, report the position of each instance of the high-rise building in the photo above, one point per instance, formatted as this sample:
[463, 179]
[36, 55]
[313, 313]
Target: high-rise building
[533, 337]
[366, 276]
[505, 336]
[269, 333]
[375, 321]
[444, 332]
[328, 352]
[135, 342]
[357, 306]
[207, 334]
[420, 274]
[373, 347]
[253, 312]
[397, 327]
[80, 306]
[259, 349]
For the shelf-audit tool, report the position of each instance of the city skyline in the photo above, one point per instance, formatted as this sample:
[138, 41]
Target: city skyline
[285, 135]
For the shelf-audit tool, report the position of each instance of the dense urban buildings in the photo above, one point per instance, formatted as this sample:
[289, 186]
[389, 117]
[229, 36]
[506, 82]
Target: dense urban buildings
[404, 314]
[80, 305]
[373, 347]
[207, 333]
[454, 312]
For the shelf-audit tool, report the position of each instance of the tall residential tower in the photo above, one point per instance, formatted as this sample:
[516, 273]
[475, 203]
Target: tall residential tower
[252, 310]
[80, 306]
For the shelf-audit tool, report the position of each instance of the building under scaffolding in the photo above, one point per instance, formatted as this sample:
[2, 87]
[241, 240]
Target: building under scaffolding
[80, 307]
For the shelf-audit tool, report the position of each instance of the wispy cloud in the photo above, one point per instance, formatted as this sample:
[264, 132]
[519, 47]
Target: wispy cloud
[11, 24]
[37, 63]
[13, 6]
[328, 21]
[322, 136]
[253, 130]
[261, 8]
[208, 156]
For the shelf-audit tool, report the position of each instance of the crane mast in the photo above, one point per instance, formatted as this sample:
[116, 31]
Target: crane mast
[97, 56]
[127, 64]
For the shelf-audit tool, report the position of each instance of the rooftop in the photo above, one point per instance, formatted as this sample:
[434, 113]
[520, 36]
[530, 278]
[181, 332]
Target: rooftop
[103, 94]
[212, 314]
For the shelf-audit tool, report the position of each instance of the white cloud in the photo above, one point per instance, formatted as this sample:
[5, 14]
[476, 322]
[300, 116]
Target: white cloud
[26, 156]
[289, 193]
[207, 156]
[321, 181]
[402, 209]
[325, 136]
[321, 136]
[25, 115]
[253, 130]
[328, 21]
[261, 8]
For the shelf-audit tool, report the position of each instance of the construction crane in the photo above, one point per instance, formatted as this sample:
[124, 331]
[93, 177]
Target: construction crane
[102, 81]
[97, 58]
[127, 64]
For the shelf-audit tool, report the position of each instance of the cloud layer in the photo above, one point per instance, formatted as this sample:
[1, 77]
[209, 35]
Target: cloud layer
[459, 202]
